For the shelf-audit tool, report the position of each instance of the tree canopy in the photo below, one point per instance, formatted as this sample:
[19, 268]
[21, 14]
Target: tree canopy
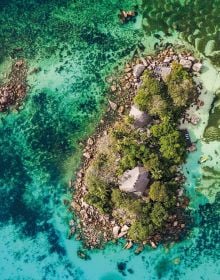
[180, 85]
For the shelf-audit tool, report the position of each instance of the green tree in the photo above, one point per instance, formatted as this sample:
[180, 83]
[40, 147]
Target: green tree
[172, 147]
[153, 164]
[99, 193]
[139, 231]
[163, 128]
[158, 192]
[158, 106]
[159, 214]
[150, 87]
[180, 85]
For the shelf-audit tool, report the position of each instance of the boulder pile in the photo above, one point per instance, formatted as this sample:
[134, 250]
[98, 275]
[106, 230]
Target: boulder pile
[14, 91]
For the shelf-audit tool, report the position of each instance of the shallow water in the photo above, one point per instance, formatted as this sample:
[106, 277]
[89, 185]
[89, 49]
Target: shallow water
[77, 44]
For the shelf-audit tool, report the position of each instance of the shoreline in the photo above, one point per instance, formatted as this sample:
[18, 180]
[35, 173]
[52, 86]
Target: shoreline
[124, 89]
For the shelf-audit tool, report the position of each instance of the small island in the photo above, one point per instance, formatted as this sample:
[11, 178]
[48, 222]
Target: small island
[130, 184]
[13, 92]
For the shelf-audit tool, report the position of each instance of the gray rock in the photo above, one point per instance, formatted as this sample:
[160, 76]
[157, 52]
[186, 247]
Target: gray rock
[192, 58]
[90, 142]
[87, 155]
[163, 72]
[112, 105]
[186, 63]
[115, 231]
[121, 234]
[197, 67]
[167, 59]
[141, 119]
[138, 70]
[125, 228]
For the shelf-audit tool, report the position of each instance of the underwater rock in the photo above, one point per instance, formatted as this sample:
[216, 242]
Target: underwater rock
[126, 16]
[128, 245]
[83, 255]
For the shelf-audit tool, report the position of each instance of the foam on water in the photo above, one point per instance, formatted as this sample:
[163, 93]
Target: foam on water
[77, 44]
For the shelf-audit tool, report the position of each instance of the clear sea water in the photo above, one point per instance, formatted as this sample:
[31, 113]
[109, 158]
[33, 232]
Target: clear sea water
[77, 44]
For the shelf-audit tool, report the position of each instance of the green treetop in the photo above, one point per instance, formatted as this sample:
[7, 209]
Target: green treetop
[158, 192]
[180, 85]
[148, 97]
[159, 214]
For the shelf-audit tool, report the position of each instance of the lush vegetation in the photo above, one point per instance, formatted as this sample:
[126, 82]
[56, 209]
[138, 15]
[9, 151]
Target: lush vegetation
[150, 96]
[181, 87]
[160, 148]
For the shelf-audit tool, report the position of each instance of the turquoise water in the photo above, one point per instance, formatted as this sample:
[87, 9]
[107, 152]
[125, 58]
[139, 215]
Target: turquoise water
[78, 44]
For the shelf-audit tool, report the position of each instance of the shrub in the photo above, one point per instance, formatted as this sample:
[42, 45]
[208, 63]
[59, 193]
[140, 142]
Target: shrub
[158, 192]
[118, 198]
[172, 147]
[99, 193]
[139, 231]
[158, 215]
[180, 85]
[158, 106]
[150, 87]
[153, 164]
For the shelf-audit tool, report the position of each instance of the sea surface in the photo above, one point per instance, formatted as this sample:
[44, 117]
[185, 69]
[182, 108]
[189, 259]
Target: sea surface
[78, 44]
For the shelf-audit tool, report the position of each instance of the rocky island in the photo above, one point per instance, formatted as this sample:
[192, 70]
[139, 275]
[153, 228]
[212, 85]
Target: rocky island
[130, 183]
[14, 90]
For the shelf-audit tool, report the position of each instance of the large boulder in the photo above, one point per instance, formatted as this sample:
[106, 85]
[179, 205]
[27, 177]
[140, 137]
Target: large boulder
[141, 119]
[138, 70]
[163, 71]
[187, 64]
[115, 231]
[197, 67]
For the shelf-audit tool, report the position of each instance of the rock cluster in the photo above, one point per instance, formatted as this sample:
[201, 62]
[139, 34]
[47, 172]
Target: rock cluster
[14, 91]
[161, 64]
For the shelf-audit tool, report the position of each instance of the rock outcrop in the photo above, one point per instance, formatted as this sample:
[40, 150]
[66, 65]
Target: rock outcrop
[141, 119]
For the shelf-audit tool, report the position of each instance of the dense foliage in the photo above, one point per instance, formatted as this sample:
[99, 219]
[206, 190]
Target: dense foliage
[181, 87]
[160, 148]
[150, 96]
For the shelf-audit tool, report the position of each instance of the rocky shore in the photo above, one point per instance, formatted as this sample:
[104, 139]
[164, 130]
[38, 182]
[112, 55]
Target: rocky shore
[94, 228]
[14, 91]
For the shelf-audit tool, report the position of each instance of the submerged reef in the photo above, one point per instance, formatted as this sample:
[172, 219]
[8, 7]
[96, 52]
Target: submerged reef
[130, 184]
[197, 22]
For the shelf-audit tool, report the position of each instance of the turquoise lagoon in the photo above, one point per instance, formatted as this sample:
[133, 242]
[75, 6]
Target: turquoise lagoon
[78, 44]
